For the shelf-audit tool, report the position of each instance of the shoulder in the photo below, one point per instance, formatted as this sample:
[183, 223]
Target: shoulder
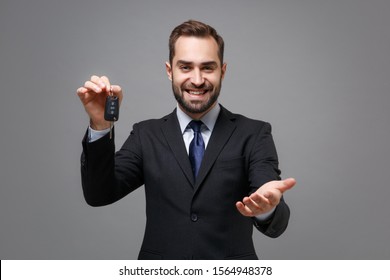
[157, 123]
[244, 122]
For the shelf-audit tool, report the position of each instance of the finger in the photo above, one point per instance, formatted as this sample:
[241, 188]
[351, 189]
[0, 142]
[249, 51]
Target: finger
[259, 199]
[117, 90]
[255, 207]
[99, 82]
[81, 91]
[286, 184]
[262, 203]
[243, 209]
[91, 86]
[106, 82]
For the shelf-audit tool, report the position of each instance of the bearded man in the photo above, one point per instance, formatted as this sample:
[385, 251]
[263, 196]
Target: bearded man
[210, 176]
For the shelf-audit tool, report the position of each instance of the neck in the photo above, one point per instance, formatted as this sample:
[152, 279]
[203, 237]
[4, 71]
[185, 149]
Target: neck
[198, 116]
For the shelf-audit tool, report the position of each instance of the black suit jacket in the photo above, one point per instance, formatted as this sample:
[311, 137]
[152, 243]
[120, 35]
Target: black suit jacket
[188, 219]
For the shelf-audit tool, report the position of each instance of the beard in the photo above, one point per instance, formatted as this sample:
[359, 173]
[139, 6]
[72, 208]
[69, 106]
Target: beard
[196, 107]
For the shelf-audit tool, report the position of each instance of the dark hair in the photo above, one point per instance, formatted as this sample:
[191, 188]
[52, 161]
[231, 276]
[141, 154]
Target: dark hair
[197, 29]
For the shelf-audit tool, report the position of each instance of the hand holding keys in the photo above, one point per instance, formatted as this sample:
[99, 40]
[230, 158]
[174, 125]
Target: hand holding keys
[101, 101]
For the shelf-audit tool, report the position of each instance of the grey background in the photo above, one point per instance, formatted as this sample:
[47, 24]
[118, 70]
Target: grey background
[317, 70]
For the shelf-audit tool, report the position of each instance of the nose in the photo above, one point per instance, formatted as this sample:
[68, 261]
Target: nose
[197, 78]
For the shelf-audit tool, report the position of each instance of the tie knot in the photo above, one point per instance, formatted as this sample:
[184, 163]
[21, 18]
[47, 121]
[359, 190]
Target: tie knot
[196, 125]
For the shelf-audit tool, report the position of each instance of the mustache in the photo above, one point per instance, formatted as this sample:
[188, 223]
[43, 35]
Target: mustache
[190, 86]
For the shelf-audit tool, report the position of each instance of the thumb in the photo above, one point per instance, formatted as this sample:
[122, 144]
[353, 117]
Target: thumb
[117, 90]
[286, 184]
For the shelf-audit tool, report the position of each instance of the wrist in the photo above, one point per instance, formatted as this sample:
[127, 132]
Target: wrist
[100, 126]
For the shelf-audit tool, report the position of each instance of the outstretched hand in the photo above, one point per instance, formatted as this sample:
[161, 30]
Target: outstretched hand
[265, 198]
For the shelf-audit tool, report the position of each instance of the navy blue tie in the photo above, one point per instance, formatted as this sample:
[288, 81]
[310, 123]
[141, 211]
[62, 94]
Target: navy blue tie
[196, 150]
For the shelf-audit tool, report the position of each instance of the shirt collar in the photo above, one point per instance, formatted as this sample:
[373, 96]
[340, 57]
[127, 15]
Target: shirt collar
[209, 119]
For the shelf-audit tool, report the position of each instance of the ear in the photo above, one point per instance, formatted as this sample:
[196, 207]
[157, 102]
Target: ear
[168, 68]
[223, 70]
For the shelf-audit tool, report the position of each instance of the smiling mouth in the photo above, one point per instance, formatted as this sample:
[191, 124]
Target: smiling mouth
[196, 92]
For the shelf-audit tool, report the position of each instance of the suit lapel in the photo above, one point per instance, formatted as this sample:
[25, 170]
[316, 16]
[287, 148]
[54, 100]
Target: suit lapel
[222, 131]
[174, 137]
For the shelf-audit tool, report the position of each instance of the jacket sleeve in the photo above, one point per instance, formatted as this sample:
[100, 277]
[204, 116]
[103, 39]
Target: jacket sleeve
[107, 176]
[262, 169]
[277, 223]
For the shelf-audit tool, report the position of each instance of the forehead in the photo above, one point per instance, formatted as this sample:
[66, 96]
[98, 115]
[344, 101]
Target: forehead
[196, 49]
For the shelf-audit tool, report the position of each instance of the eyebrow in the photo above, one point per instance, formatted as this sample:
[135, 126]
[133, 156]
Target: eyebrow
[206, 63]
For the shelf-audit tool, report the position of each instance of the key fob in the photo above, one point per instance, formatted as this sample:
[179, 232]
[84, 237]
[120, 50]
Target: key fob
[111, 110]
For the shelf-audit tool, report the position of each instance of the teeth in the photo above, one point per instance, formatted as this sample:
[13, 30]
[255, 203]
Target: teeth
[196, 92]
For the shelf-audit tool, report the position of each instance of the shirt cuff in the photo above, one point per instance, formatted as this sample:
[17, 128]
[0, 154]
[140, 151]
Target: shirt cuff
[96, 134]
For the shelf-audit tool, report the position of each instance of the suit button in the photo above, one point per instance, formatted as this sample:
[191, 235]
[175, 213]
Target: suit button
[194, 217]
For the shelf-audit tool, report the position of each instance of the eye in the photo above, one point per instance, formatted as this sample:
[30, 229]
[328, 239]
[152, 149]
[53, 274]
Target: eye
[185, 68]
[208, 69]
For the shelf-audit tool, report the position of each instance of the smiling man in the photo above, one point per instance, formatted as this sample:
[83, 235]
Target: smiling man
[210, 176]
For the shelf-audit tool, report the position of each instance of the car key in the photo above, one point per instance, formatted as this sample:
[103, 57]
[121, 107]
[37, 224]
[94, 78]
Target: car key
[111, 109]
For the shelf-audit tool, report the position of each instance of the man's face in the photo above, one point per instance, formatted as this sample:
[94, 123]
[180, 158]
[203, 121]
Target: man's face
[196, 74]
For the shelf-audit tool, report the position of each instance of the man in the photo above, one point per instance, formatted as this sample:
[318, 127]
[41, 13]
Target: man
[206, 183]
